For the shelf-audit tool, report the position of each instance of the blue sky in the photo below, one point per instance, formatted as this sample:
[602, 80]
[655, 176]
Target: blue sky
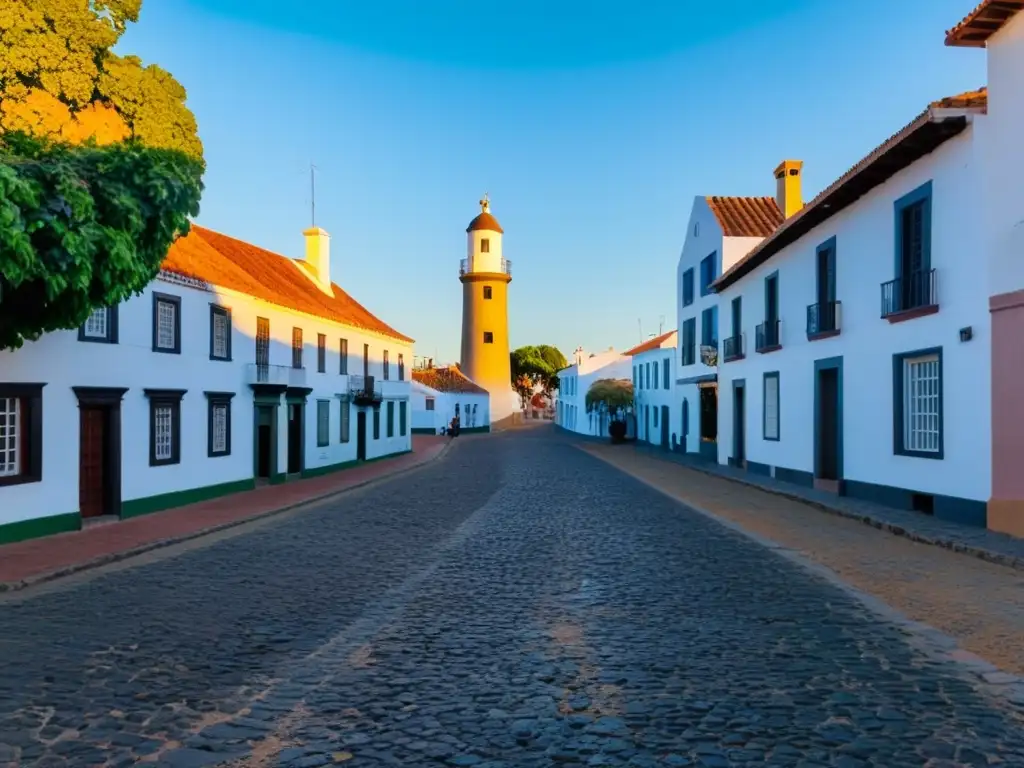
[591, 123]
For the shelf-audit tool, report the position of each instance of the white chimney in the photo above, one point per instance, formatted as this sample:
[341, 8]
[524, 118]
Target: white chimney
[318, 256]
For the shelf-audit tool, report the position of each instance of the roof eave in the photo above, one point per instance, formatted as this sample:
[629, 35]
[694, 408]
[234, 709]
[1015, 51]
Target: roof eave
[920, 137]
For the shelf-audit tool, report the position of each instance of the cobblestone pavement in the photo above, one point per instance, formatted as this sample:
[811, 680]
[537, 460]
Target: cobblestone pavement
[517, 603]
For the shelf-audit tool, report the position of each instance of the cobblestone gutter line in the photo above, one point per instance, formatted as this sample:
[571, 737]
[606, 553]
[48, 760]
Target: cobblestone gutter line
[925, 638]
[114, 557]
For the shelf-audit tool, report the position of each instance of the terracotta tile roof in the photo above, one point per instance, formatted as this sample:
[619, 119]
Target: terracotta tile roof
[229, 263]
[485, 221]
[448, 379]
[983, 22]
[648, 345]
[874, 169]
[746, 216]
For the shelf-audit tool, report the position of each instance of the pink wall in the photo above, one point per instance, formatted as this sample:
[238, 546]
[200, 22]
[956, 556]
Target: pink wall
[1006, 508]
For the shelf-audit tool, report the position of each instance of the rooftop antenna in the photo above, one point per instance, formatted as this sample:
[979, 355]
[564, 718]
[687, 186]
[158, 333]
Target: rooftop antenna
[312, 194]
[661, 324]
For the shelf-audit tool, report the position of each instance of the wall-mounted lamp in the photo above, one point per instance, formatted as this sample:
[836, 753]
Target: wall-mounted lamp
[966, 334]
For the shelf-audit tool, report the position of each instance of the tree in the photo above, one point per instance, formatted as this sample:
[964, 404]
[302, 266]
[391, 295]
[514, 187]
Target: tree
[100, 164]
[536, 368]
[555, 362]
[613, 395]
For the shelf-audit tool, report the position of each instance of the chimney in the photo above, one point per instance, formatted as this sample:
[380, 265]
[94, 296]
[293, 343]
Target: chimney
[788, 187]
[318, 256]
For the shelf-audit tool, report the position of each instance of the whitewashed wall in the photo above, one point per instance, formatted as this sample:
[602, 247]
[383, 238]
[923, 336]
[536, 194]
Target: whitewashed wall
[864, 235]
[574, 382]
[62, 361]
[444, 408]
[650, 398]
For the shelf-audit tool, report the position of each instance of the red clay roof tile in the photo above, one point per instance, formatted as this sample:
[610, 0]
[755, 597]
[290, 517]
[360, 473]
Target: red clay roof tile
[984, 21]
[746, 216]
[239, 266]
[447, 379]
[648, 345]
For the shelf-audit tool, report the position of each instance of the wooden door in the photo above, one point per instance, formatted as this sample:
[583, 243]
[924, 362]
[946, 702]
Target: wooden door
[828, 424]
[92, 469]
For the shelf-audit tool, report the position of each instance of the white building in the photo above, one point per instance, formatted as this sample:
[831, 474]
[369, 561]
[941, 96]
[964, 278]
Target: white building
[440, 394]
[855, 336]
[654, 391]
[575, 380]
[721, 231]
[235, 366]
[999, 27]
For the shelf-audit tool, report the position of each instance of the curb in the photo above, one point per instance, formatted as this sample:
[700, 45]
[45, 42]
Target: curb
[9, 587]
[997, 558]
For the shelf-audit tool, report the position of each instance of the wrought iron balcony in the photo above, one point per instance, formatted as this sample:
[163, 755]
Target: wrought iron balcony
[275, 375]
[505, 267]
[823, 319]
[365, 390]
[767, 336]
[732, 348]
[912, 292]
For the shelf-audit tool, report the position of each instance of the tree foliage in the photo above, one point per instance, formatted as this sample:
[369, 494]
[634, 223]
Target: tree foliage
[613, 394]
[84, 227]
[91, 202]
[535, 368]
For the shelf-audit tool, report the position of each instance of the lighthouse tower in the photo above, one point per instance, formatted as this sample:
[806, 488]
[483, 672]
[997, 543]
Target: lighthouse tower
[485, 275]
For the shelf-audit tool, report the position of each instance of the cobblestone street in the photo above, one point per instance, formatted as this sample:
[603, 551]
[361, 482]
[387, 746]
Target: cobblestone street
[516, 603]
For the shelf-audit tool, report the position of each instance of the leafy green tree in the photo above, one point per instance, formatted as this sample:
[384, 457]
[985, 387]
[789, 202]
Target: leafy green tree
[535, 368]
[100, 164]
[555, 362]
[613, 394]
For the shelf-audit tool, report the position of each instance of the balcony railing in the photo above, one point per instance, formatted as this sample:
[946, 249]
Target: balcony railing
[732, 348]
[505, 267]
[916, 290]
[823, 318]
[275, 375]
[365, 390]
[767, 336]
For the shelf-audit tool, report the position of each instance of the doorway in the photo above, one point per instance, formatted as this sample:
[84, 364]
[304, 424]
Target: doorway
[739, 424]
[828, 433]
[664, 426]
[295, 438]
[686, 423]
[361, 434]
[264, 441]
[99, 451]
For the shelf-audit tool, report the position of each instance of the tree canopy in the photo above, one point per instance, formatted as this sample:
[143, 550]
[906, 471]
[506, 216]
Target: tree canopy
[614, 394]
[536, 368]
[100, 164]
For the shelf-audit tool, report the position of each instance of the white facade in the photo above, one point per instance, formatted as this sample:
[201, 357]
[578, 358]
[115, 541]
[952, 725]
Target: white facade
[654, 392]
[574, 381]
[181, 423]
[912, 404]
[434, 407]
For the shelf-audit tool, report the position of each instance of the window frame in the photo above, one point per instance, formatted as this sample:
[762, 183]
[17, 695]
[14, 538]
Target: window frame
[401, 367]
[665, 374]
[921, 194]
[488, 293]
[166, 298]
[429, 404]
[488, 337]
[390, 418]
[899, 361]
[111, 336]
[376, 423]
[764, 406]
[342, 357]
[688, 279]
[216, 400]
[321, 353]
[485, 245]
[171, 398]
[30, 399]
[709, 278]
[323, 425]
[712, 326]
[345, 420]
[386, 366]
[403, 418]
[225, 312]
[298, 347]
[689, 345]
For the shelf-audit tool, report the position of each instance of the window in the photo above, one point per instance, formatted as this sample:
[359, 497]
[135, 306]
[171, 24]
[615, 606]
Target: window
[164, 426]
[647, 376]
[655, 417]
[402, 428]
[696, 229]
[21, 433]
[323, 423]
[430, 404]
[488, 292]
[665, 373]
[913, 287]
[689, 342]
[917, 403]
[387, 366]
[262, 341]
[376, 423]
[166, 323]
[218, 423]
[654, 381]
[345, 416]
[100, 326]
[321, 353]
[707, 273]
[401, 367]
[296, 347]
[366, 360]
[343, 357]
[391, 418]
[220, 333]
[488, 337]
[770, 421]
[485, 245]
[688, 287]
[709, 327]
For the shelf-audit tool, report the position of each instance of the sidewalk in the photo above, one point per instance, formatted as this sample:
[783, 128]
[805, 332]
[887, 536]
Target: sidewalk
[976, 602]
[36, 560]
